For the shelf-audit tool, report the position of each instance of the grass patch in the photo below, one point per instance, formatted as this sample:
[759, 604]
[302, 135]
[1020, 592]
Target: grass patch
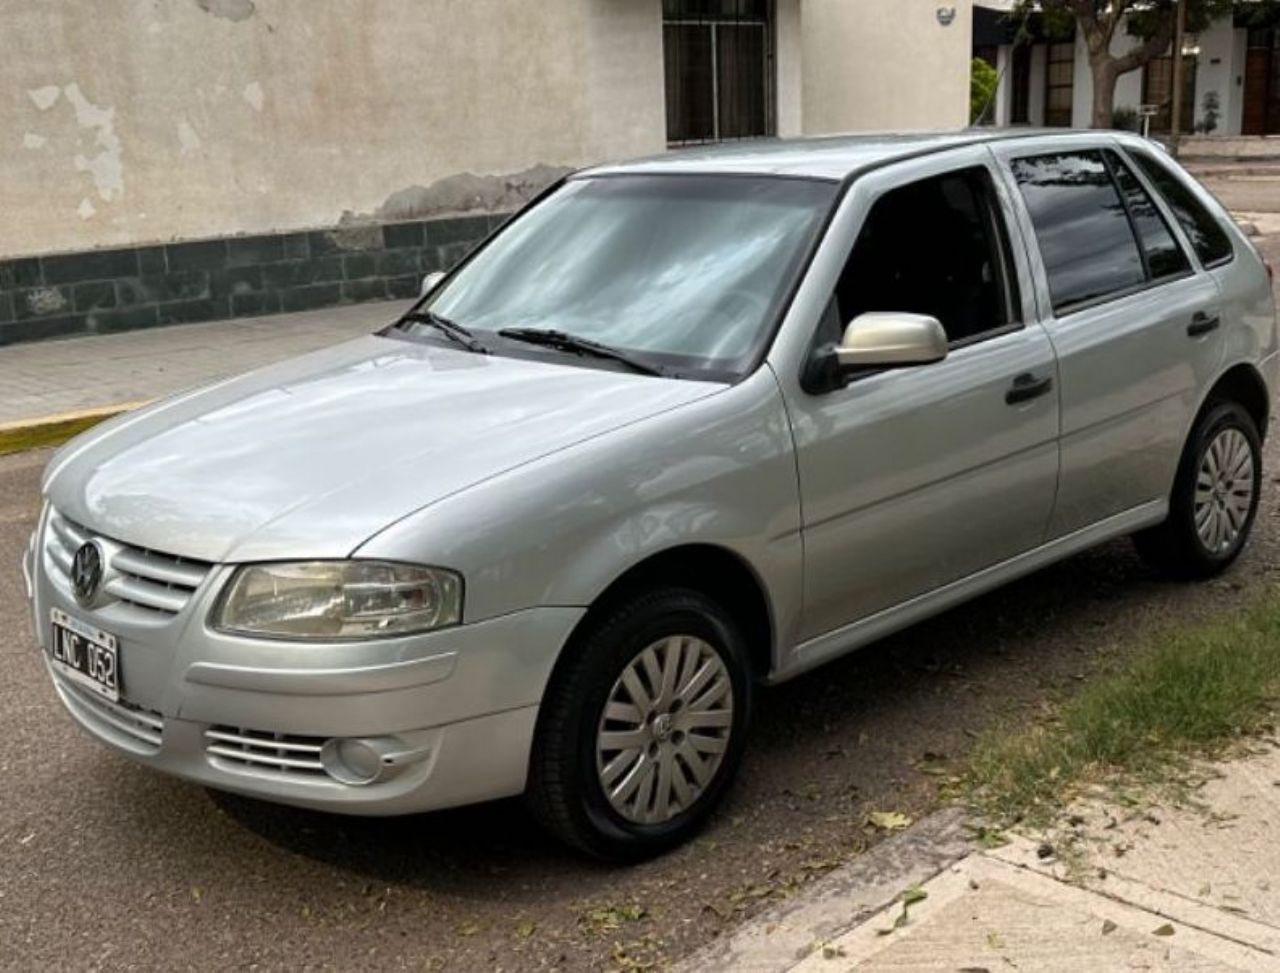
[1181, 693]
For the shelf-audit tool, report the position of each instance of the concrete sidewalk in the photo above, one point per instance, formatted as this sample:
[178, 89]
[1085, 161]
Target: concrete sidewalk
[54, 379]
[1192, 887]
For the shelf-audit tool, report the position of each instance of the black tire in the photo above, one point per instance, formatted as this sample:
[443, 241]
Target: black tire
[565, 791]
[1175, 547]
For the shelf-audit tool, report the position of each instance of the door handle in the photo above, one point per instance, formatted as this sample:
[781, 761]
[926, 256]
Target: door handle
[1202, 324]
[1026, 387]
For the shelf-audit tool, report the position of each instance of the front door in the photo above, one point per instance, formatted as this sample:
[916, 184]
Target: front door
[916, 477]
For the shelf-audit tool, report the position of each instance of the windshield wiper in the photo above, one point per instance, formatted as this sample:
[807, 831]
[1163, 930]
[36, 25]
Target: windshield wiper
[446, 327]
[564, 341]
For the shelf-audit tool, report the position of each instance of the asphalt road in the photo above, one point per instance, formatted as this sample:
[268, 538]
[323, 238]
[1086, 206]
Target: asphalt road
[104, 864]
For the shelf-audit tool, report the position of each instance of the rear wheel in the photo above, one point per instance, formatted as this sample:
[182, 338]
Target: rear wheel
[1215, 497]
[642, 730]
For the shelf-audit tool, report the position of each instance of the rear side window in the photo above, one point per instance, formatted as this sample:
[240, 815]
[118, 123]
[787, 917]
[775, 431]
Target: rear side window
[1086, 241]
[1164, 257]
[1204, 231]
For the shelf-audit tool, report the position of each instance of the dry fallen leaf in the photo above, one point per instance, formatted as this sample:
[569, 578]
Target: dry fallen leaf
[888, 820]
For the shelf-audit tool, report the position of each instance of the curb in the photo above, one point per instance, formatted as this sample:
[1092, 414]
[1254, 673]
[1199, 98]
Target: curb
[52, 430]
[782, 937]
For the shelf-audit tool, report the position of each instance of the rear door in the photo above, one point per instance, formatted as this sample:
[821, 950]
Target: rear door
[1134, 321]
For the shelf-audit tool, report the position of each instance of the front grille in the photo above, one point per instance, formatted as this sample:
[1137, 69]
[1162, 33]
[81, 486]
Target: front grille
[150, 584]
[143, 728]
[262, 750]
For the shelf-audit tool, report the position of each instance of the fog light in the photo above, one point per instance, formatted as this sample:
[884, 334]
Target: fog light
[365, 761]
[351, 761]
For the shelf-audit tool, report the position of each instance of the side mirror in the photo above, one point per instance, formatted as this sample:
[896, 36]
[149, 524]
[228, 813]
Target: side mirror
[431, 282]
[882, 339]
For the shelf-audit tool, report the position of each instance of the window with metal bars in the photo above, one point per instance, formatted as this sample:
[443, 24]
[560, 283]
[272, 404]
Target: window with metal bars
[1157, 89]
[717, 55]
[1059, 83]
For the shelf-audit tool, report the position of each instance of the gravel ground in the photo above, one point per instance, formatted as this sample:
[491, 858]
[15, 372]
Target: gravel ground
[105, 864]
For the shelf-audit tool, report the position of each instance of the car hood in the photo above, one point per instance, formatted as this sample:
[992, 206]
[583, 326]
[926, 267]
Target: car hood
[312, 456]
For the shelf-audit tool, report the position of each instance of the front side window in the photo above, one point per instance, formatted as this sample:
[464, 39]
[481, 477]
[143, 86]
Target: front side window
[1209, 239]
[690, 272]
[935, 247]
[1164, 257]
[1086, 241]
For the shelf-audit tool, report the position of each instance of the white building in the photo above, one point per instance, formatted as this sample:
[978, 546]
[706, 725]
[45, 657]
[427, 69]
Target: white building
[220, 117]
[1048, 82]
[168, 162]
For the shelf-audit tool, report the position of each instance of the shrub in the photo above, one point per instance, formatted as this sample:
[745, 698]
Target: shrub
[982, 88]
[1125, 118]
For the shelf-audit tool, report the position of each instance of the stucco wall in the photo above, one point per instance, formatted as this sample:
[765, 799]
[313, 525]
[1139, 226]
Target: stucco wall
[1220, 68]
[885, 64]
[132, 121]
[787, 39]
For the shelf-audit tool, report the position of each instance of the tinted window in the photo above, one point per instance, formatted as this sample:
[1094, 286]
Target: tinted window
[1203, 230]
[1164, 257]
[933, 247]
[1085, 238]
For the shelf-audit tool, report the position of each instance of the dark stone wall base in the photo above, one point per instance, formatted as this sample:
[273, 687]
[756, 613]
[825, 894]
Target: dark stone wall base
[105, 291]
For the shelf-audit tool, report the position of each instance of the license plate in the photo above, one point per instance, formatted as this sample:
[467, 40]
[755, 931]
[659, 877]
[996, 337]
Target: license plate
[85, 654]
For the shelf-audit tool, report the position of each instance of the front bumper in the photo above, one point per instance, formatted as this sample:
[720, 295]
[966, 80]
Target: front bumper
[454, 710]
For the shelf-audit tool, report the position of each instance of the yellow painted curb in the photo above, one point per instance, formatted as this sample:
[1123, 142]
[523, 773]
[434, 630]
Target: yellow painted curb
[52, 430]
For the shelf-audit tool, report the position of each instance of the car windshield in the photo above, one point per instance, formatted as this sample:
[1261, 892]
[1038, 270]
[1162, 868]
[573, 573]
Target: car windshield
[686, 272]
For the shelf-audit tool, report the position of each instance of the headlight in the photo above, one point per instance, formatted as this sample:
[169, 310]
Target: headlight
[338, 600]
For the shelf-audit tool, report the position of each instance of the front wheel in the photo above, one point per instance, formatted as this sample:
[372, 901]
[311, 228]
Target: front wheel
[1215, 497]
[642, 729]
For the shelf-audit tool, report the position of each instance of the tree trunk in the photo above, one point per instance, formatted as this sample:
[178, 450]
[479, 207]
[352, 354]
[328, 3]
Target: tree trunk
[1104, 90]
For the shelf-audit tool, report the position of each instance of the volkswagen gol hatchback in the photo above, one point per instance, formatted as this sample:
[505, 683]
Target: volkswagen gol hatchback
[683, 426]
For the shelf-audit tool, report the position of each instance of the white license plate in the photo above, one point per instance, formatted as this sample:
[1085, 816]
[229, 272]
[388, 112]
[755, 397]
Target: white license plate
[85, 654]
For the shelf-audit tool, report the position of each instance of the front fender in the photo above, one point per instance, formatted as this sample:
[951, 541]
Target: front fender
[558, 531]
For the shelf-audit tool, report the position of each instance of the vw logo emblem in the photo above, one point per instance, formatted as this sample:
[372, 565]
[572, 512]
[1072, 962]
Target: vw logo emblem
[86, 572]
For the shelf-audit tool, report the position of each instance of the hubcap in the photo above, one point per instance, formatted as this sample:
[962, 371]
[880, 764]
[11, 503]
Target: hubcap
[665, 729]
[1224, 490]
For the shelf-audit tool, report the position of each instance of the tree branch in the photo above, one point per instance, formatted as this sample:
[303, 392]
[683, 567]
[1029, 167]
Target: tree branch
[1086, 15]
[1152, 47]
[1111, 19]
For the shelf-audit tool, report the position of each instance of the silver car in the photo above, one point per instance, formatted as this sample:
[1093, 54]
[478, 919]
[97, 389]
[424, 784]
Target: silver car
[684, 426]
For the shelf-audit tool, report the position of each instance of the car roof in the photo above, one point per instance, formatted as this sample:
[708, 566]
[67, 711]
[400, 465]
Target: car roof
[833, 157]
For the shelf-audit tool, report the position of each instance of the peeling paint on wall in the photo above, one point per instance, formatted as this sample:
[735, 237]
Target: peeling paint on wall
[235, 10]
[105, 167]
[466, 192]
[253, 95]
[45, 97]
